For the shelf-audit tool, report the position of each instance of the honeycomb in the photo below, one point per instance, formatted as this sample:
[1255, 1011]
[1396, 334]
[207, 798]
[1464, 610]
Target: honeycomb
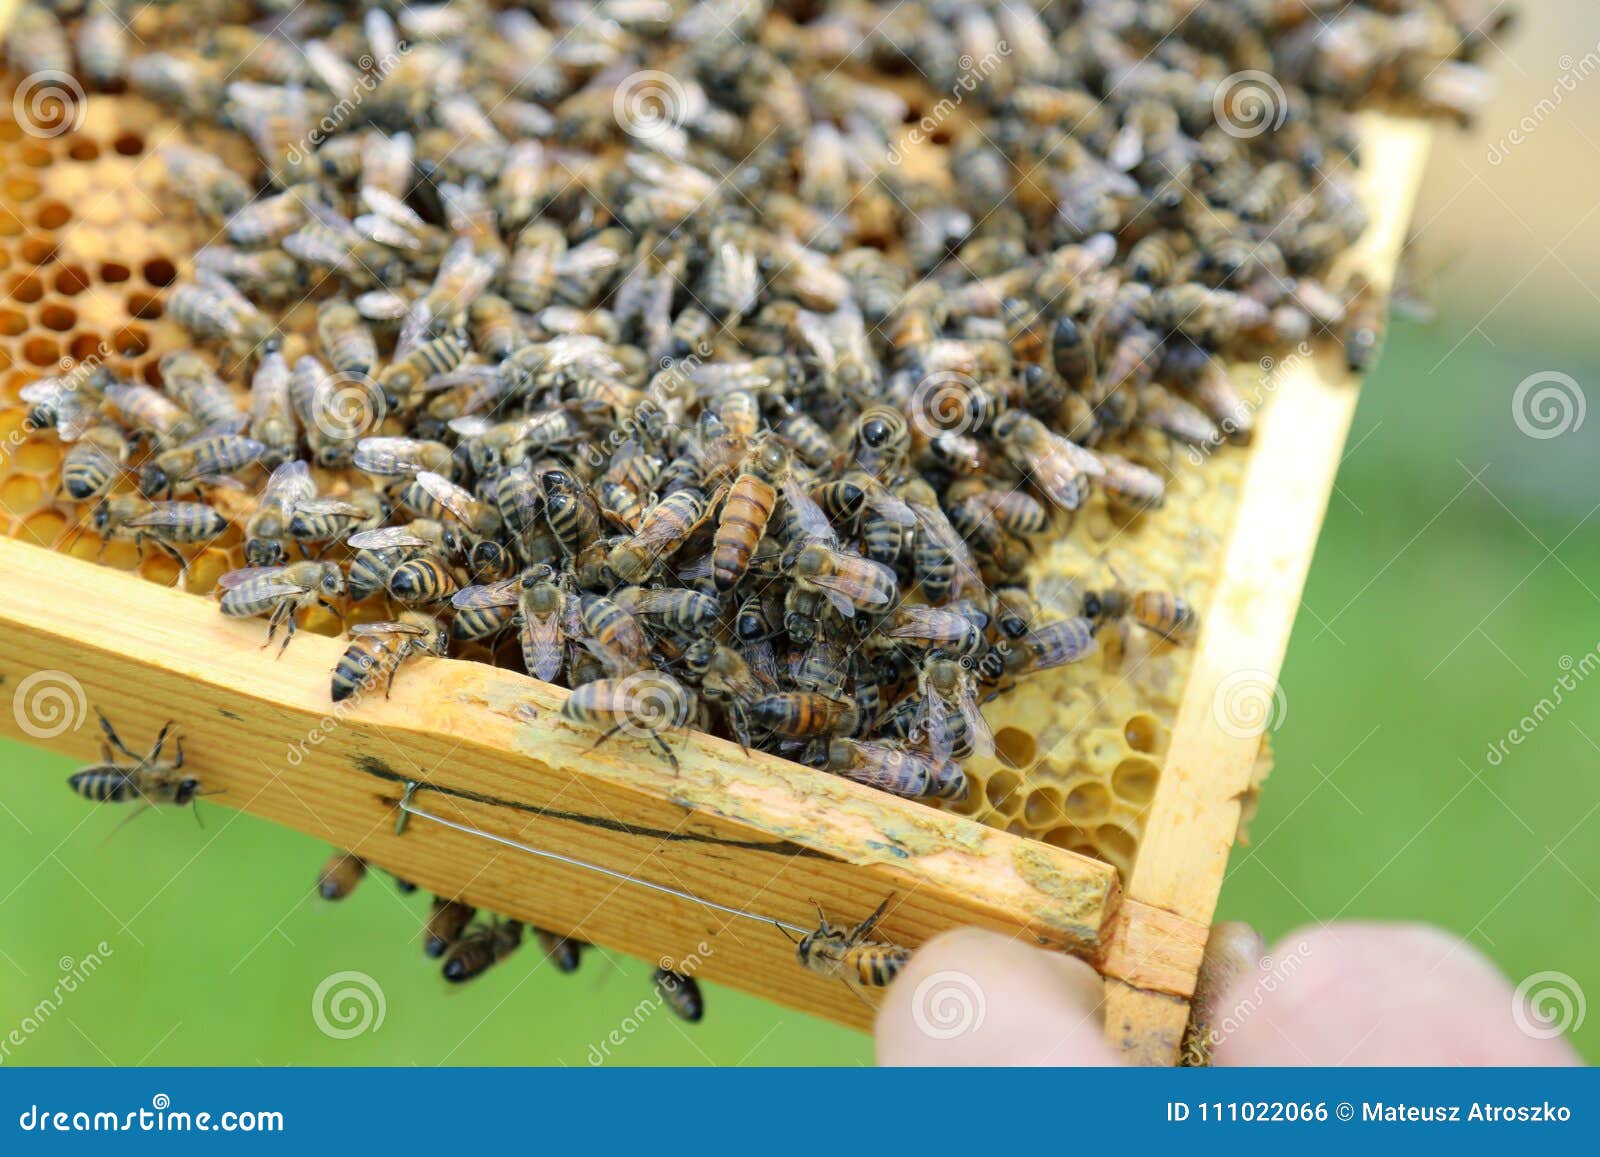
[91, 239]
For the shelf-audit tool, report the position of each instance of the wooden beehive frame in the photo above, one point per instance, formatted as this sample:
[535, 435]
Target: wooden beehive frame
[668, 866]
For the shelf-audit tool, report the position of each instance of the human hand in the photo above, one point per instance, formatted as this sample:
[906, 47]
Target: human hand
[1357, 994]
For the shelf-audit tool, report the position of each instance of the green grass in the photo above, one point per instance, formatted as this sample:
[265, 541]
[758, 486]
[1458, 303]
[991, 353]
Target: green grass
[1418, 647]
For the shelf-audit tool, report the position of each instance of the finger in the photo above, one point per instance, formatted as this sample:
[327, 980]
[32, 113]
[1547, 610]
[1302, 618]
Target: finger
[976, 998]
[1378, 994]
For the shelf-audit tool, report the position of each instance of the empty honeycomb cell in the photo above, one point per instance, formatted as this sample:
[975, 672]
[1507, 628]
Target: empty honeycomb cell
[151, 372]
[83, 149]
[1015, 748]
[27, 289]
[1134, 781]
[1142, 732]
[130, 341]
[41, 351]
[1087, 803]
[12, 322]
[1004, 792]
[35, 156]
[1118, 841]
[37, 250]
[72, 280]
[159, 568]
[321, 621]
[53, 215]
[114, 273]
[129, 144]
[207, 567]
[1042, 807]
[58, 317]
[86, 345]
[160, 272]
[22, 494]
[144, 306]
[43, 528]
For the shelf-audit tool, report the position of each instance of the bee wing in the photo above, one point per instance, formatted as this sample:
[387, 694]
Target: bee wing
[375, 455]
[931, 724]
[932, 522]
[382, 305]
[384, 537]
[164, 514]
[387, 205]
[499, 594]
[330, 506]
[243, 575]
[977, 725]
[611, 658]
[813, 522]
[456, 499]
[887, 505]
[541, 645]
[386, 628]
[918, 622]
[289, 485]
[470, 426]
[465, 376]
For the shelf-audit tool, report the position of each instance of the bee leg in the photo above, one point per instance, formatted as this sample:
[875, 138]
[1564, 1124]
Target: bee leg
[176, 556]
[272, 624]
[161, 739]
[288, 634]
[867, 925]
[111, 734]
[999, 691]
[666, 752]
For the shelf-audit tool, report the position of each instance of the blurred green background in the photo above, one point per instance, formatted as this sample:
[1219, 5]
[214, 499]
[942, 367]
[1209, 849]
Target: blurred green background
[1457, 571]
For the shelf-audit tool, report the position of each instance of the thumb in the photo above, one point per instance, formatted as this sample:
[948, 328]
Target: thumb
[977, 998]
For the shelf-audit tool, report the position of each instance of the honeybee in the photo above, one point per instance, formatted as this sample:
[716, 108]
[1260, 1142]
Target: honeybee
[570, 511]
[188, 377]
[267, 530]
[848, 954]
[402, 381]
[478, 949]
[645, 701]
[345, 339]
[1060, 468]
[543, 613]
[666, 527]
[447, 920]
[216, 190]
[1159, 612]
[377, 650]
[929, 628]
[746, 510]
[403, 457]
[804, 715]
[147, 778]
[880, 441]
[280, 592]
[946, 685]
[272, 420]
[102, 42]
[211, 460]
[1053, 645]
[92, 464]
[164, 524]
[141, 408]
[1364, 326]
[69, 404]
[340, 875]
[613, 635]
[895, 769]
[268, 220]
[680, 993]
[848, 582]
[565, 952]
[1130, 485]
[210, 307]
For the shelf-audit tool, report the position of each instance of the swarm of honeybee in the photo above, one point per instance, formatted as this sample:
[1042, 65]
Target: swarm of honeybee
[728, 356]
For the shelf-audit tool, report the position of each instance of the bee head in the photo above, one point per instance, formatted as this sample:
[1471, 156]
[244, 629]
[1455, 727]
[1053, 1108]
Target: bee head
[188, 789]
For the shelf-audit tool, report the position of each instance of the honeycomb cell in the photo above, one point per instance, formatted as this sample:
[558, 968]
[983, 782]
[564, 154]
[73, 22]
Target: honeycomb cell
[72, 280]
[1087, 803]
[86, 345]
[37, 250]
[22, 494]
[35, 156]
[60, 318]
[1142, 732]
[144, 306]
[41, 351]
[1043, 807]
[12, 322]
[1118, 842]
[114, 273]
[1015, 747]
[27, 289]
[1004, 792]
[43, 528]
[130, 341]
[129, 144]
[37, 456]
[1134, 781]
[83, 149]
[53, 215]
[160, 272]
[20, 189]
